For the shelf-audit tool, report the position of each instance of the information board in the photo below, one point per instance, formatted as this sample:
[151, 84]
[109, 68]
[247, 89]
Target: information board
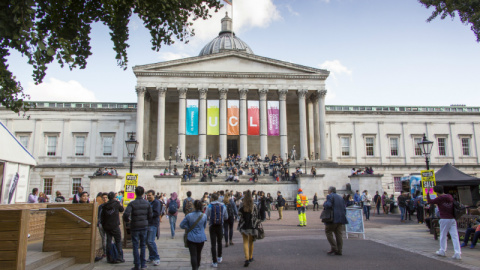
[131, 182]
[428, 182]
[355, 221]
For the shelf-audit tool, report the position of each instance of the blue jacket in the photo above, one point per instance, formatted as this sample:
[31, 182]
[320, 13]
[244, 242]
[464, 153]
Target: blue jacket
[335, 202]
[357, 198]
[197, 235]
[156, 211]
[224, 211]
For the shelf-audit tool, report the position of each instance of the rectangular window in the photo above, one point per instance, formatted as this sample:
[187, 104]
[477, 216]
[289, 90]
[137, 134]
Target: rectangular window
[76, 182]
[107, 145]
[394, 147]
[80, 145]
[51, 145]
[24, 140]
[418, 151]
[345, 146]
[466, 146]
[369, 141]
[398, 183]
[442, 146]
[47, 186]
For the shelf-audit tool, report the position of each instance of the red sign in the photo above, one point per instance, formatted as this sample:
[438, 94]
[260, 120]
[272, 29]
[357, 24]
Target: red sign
[253, 122]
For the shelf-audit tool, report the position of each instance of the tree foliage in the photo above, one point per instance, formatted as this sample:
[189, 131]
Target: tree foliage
[48, 30]
[467, 10]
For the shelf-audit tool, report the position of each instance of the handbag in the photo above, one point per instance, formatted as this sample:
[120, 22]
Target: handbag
[327, 214]
[189, 230]
[260, 232]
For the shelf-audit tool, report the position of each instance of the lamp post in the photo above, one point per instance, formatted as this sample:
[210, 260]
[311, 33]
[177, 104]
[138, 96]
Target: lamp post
[131, 145]
[426, 148]
[170, 160]
[305, 159]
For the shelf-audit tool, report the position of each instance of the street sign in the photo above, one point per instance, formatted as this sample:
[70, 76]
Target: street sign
[428, 182]
[131, 182]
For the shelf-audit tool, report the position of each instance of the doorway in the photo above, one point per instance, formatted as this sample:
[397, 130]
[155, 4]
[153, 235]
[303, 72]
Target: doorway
[232, 147]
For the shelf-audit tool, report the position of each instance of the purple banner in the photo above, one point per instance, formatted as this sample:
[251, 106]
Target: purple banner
[273, 118]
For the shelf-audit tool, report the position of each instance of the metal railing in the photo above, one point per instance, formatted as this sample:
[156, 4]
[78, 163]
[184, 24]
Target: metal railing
[71, 215]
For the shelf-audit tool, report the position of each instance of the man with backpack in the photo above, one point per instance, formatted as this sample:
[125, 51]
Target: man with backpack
[188, 204]
[172, 211]
[153, 224]
[110, 221]
[280, 205]
[232, 212]
[216, 213]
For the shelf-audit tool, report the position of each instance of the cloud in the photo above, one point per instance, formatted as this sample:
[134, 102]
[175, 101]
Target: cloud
[167, 56]
[57, 90]
[293, 12]
[325, 1]
[335, 67]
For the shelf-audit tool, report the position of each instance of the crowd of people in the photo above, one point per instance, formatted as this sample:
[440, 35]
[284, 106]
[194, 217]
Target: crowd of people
[360, 171]
[106, 172]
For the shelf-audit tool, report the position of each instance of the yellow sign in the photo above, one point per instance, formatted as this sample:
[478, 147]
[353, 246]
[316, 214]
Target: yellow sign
[131, 182]
[428, 182]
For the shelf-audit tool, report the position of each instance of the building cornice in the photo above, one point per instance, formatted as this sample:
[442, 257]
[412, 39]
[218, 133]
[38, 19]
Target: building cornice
[314, 76]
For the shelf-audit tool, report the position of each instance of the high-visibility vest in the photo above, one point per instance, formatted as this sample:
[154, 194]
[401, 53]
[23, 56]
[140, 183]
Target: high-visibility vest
[302, 200]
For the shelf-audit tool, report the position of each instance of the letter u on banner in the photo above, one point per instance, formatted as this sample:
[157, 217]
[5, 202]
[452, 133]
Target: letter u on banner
[191, 119]
[273, 118]
[233, 118]
[253, 123]
[213, 114]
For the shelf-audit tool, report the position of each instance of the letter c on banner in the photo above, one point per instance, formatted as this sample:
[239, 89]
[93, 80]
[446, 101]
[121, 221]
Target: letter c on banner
[210, 122]
[231, 122]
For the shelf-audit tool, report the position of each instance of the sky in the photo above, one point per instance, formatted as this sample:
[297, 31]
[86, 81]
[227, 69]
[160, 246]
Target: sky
[378, 52]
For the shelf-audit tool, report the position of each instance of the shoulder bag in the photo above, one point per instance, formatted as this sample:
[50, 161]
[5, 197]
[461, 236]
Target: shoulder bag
[327, 214]
[189, 230]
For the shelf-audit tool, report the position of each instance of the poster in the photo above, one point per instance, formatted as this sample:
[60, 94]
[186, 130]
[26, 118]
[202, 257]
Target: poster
[273, 118]
[191, 118]
[233, 116]
[131, 182]
[213, 114]
[428, 182]
[355, 221]
[13, 186]
[253, 124]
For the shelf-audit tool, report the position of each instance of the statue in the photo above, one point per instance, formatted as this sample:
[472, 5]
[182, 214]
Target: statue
[178, 155]
[293, 153]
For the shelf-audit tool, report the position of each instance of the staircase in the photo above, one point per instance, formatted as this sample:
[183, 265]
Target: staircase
[52, 261]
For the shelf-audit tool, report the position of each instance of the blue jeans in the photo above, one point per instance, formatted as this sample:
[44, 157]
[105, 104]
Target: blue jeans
[152, 246]
[140, 235]
[475, 236]
[173, 222]
[402, 212]
[366, 209]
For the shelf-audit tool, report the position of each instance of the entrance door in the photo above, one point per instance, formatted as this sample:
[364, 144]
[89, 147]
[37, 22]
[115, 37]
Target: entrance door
[232, 147]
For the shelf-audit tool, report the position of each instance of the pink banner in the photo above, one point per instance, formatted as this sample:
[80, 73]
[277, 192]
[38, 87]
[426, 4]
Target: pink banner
[273, 118]
[253, 124]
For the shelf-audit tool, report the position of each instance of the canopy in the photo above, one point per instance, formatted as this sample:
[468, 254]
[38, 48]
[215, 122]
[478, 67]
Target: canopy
[451, 176]
[12, 149]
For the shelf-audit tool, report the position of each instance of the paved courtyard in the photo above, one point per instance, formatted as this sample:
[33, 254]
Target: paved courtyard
[286, 246]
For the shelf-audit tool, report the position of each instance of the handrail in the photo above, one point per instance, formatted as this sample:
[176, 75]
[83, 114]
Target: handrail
[71, 214]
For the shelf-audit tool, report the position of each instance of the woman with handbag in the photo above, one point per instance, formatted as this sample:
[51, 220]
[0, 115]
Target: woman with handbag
[194, 225]
[248, 225]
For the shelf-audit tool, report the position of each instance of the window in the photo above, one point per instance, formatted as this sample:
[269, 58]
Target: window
[442, 146]
[51, 145]
[47, 186]
[24, 139]
[79, 145]
[397, 180]
[76, 182]
[394, 147]
[345, 141]
[466, 146]
[369, 141]
[107, 145]
[417, 150]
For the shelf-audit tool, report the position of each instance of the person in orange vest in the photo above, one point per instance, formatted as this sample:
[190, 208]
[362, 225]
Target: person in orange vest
[302, 203]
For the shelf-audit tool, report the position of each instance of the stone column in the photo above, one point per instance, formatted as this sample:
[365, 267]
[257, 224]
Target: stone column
[263, 122]
[182, 107]
[162, 91]
[311, 132]
[322, 130]
[282, 97]
[223, 122]
[316, 113]
[202, 123]
[140, 118]
[301, 93]
[243, 122]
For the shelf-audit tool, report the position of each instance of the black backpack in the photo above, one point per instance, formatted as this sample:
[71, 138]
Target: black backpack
[172, 207]
[458, 209]
[216, 214]
[230, 212]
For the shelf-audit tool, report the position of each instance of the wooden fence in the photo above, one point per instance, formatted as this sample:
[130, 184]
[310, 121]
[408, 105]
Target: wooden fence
[13, 235]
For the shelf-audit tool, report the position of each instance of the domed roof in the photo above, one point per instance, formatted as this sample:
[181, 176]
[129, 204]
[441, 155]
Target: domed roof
[226, 40]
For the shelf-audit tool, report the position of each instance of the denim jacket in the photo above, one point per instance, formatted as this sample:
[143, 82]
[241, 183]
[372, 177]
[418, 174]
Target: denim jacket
[197, 235]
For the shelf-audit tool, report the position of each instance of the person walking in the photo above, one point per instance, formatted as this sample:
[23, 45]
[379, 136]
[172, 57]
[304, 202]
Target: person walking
[384, 203]
[248, 225]
[315, 201]
[172, 211]
[418, 201]
[263, 205]
[377, 200]
[447, 222]
[402, 205]
[336, 204]
[110, 221]
[104, 200]
[188, 204]
[228, 222]
[367, 202]
[216, 213]
[153, 224]
[194, 224]
[269, 205]
[302, 203]
[138, 213]
[280, 205]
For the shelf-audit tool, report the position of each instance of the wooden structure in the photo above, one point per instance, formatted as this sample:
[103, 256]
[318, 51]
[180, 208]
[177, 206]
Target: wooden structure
[14, 235]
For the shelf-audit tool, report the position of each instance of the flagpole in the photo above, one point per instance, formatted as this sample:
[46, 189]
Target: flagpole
[232, 24]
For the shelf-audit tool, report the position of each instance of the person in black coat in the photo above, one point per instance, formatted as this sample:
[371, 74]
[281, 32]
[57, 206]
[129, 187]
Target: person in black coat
[153, 228]
[109, 218]
[337, 204]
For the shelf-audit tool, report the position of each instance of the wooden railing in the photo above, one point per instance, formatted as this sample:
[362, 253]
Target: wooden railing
[13, 235]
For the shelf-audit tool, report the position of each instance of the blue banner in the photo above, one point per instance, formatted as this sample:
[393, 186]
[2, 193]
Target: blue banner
[191, 119]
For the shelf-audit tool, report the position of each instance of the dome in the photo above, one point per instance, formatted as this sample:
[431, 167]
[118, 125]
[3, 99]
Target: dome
[226, 40]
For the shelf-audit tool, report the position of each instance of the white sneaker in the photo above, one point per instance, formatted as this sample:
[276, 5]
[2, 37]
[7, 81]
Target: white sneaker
[156, 262]
[441, 253]
[456, 256]
[219, 259]
[214, 265]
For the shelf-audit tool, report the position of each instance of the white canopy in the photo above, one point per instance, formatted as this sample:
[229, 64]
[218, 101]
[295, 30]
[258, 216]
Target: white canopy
[11, 150]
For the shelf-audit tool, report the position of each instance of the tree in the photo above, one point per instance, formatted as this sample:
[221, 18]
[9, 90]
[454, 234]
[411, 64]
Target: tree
[468, 11]
[48, 30]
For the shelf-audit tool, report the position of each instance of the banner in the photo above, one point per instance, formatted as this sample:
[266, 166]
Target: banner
[233, 116]
[13, 186]
[213, 114]
[253, 123]
[191, 118]
[131, 182]
[428, 182]
[273, 118]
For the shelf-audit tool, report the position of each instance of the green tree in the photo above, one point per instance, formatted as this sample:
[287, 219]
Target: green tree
[468, 11]
[48, 30]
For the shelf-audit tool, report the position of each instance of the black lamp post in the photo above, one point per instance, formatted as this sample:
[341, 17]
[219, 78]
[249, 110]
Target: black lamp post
[426, 148]
[170, 160]
[132, 145]
[305, 159]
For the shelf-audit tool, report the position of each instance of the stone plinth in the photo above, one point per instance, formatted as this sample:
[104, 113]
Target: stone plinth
[369, 182]
[105, 183]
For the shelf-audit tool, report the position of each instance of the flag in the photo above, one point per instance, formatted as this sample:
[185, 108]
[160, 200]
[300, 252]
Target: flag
[233, 117]
[273, 118]
[253, 118]
[213, 114]
[13, 186]
[191, 118]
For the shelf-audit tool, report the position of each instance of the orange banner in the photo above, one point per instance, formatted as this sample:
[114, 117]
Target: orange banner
[233, 116]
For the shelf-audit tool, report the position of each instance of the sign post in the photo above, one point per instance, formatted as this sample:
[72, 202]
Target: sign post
[131, 182]
[428, 182]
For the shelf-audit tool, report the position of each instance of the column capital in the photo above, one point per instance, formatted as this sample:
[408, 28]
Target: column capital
[223, 92]
[262, 92]
[282, 94]
[182, 92]
[140, 89]
[202, 92]
[243, 93]
[162, 90]
[321, 93]
[301, 93]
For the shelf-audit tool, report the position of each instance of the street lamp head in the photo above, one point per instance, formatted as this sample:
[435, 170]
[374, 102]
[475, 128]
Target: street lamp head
[425, 146]
[132, 145]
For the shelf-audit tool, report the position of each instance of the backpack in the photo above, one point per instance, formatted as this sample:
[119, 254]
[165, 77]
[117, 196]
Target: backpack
[112, 254]
[172, 207]
[188, 206]
[230, 212]
[458, 209]
[216, 214]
